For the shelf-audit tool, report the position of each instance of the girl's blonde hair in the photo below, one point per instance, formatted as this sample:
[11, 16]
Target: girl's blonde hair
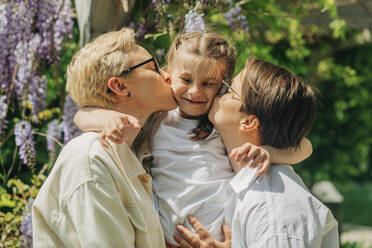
[211, 48]
[208, 46]
[93, 65]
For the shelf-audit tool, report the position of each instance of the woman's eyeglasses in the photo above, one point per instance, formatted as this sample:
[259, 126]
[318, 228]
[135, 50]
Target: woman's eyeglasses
[225, 88]
[125, 72]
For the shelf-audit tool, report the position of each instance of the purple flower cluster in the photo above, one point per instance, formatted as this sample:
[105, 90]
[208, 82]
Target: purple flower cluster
[37, 94]
[26, 226]
[194, 22]
[63, 25]
[238, 21]
[31, 34]
[25, 52]
[54, 21]
[5, 65]
[70, 130]
[161, 9]
[208, 3]
[3, 110]
[22, 49]
[55, 130]
[24, 140]
[157, 8]
[141, 31]
[15, 28]
[139, 28]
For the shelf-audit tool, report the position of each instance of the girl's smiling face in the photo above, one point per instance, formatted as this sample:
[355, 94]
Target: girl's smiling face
[195, 82]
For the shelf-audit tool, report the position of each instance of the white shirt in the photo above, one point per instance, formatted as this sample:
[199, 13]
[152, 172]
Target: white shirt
[277, 210]
[96, 198]
[189, 177]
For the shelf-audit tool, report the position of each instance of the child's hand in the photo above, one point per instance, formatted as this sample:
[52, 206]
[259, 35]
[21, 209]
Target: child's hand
[114, 129]
[251, 155]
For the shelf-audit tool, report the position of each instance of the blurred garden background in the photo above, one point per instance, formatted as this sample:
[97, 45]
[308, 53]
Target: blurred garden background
[327, 42]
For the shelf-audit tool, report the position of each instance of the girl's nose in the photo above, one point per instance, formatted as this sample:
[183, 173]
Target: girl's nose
[194, 90]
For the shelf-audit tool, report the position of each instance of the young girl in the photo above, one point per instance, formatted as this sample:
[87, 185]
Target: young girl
[190, 168]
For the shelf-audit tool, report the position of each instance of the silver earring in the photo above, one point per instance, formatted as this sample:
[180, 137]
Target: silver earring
[129, 94]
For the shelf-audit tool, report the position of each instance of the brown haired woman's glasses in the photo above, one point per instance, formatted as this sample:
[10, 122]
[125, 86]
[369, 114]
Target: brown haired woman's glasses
[225, 88]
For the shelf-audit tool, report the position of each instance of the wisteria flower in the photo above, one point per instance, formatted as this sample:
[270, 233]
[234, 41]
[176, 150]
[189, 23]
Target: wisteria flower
[70, 130]
[237, 20]
[24, 140]
[194, 22]
[26, 226]
[3, 110]
[55, 130]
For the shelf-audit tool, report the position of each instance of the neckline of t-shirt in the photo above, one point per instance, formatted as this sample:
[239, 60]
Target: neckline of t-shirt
[188, 122]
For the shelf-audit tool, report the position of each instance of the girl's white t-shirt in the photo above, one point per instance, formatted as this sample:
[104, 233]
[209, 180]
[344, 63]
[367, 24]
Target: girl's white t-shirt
[189, 177]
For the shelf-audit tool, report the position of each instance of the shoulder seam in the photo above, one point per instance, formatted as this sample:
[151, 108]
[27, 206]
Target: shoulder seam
[67, 197]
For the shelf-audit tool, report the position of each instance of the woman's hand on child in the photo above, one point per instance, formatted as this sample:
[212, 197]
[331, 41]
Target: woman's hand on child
[252, 156]
[202, 239]
[115, 129]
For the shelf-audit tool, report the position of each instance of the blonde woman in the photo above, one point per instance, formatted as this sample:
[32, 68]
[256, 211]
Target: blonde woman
[95, 197]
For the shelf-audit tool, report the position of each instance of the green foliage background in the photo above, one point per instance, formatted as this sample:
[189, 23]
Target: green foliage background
[334, 59]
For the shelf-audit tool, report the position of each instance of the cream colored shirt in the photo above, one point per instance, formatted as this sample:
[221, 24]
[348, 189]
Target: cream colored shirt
[96, 198]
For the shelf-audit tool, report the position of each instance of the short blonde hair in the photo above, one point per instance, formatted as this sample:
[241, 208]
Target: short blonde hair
[93, 65]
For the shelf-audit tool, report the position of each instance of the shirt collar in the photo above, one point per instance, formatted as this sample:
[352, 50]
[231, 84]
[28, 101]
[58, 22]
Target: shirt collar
[244, 179]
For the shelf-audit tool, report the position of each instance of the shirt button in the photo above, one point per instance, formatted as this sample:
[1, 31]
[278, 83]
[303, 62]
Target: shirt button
[145, 178]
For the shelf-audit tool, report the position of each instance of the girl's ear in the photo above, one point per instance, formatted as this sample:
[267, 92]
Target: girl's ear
[118, 86]
[249, 123]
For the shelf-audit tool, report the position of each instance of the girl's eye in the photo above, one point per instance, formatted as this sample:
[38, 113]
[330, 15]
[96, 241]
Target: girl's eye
[209, 84]
[186, 80]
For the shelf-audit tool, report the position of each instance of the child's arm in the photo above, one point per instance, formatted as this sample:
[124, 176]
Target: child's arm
[253, 156]
[111, 123]
[93, 119]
